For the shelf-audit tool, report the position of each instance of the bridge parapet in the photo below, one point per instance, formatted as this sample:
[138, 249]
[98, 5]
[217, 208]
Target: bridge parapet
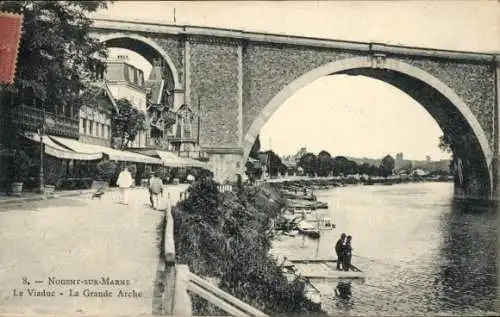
[173, 29]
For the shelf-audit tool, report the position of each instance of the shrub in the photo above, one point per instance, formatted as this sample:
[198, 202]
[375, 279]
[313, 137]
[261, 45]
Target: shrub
[22, 165]
[228, 237]
[106, 170]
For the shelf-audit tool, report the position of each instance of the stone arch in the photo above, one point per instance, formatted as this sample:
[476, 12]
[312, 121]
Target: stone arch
[352, 64]
[150, 43]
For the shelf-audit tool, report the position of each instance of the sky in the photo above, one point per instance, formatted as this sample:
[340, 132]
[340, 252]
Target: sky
[352, 116]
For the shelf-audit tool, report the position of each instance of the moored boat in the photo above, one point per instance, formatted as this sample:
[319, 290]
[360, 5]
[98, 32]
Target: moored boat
[325, 269]
[311, 292]
[308, 229]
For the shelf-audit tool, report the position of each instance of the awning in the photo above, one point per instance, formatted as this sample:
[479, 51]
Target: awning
[171, 159]
[53, 149]
[114, 155]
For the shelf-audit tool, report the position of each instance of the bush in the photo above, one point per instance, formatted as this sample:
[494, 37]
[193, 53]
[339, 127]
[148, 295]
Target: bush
[106, 170]
[228, 237]
[22, 165]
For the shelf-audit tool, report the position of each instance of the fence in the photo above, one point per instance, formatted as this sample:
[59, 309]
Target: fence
[221, 188]
[178, 280]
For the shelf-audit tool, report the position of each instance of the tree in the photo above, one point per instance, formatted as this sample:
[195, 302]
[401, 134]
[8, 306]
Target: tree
[275, 164]
[127, 122]
[444, 144]
[364, 169]
[57, 57]
[323, 163]
[308, 163]
[254, 152]
[387, 165]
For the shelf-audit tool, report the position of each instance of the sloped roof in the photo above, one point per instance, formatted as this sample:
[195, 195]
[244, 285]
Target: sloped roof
[156, 87]
[94, 97]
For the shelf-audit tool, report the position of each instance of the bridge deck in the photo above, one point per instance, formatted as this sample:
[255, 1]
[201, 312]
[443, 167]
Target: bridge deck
[101, 23]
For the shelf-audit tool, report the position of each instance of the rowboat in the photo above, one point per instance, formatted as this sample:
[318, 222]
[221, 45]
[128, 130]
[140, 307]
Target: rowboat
[301, 204]
[308, 229]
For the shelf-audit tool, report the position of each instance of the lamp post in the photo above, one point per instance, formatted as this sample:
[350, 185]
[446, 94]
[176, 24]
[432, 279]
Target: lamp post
[46, 122]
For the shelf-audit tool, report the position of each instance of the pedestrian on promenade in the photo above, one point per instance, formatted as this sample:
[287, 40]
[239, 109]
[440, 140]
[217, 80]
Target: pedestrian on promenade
[339, 250]
[151, 175]
[124, 182]
[347, 253]
[156, 188]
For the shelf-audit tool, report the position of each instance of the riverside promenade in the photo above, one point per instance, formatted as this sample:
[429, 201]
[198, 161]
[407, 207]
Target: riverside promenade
[52, 250]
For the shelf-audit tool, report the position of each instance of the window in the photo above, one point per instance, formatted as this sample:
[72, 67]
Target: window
[97, 129]
[91, 128]
[84, 126]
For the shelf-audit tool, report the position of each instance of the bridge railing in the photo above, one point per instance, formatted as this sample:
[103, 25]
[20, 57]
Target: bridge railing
[178, 280]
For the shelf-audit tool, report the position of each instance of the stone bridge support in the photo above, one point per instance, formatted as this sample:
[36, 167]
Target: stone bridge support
[496, 155]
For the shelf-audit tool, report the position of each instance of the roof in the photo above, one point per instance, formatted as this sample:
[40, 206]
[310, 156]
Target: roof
[156, 87]
[93, 97]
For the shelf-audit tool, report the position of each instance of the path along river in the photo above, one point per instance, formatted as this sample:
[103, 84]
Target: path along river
[422, 253]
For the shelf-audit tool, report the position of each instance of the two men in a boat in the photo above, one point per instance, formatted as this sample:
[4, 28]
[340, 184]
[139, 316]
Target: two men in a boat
[343, 249]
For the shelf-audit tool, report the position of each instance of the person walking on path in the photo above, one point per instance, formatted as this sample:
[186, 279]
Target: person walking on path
[155, 188]
[339, 250]
[347, 254]
[124, 182]
[151, 176]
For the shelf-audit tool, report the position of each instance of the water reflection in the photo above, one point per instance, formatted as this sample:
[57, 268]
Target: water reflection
[422, 252]
[469, 257]
[343, 293]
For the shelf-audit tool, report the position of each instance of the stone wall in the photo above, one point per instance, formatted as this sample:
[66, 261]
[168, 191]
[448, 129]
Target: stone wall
[214, 82]
[226, 166]
[268, 68]
[473, 83]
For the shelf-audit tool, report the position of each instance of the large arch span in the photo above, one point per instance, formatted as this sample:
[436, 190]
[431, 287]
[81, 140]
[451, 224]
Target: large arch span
[145, 47]
[445, 106]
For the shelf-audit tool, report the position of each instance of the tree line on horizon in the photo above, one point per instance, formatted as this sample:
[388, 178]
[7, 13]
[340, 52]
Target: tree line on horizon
[322, 164]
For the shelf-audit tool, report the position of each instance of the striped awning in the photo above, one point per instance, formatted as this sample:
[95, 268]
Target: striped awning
[171, 159]
[113, 154]
[53, 149]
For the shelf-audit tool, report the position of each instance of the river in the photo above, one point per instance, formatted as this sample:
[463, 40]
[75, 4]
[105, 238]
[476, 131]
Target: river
[422, 253]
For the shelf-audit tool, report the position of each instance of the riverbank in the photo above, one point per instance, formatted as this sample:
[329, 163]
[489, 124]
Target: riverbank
[226, 238]
[335, 181]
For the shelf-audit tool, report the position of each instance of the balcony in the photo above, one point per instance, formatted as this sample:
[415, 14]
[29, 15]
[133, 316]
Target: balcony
[178, 139]
[31, 119]
[161, 117]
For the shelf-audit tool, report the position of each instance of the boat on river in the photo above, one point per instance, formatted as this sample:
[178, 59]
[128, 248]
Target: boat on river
[301, 204]
[325, 269]
[310, 291]
[301, 196]
[308, 229]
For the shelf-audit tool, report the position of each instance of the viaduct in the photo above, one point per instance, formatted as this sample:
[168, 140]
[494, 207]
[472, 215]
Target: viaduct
[241, 78]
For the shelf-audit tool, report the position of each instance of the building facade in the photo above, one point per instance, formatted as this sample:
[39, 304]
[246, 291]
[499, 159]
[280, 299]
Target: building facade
[95, 117]
[127, 81]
